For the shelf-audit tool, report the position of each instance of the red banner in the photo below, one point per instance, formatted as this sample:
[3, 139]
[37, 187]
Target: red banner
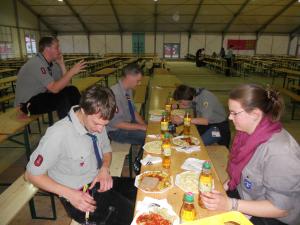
[241, 44]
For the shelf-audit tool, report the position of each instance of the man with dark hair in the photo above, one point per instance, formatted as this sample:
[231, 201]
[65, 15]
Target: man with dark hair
[127, 126]
[42, 82]
[76, 152]
[210, 117]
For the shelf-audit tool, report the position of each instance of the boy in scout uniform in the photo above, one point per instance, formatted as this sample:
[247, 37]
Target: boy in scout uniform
[127, 126]
[75, 152]
[42, 82]
[210, 117]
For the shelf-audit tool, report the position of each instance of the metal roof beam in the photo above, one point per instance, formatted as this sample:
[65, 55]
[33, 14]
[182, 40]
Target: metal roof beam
[38, 16]
[195, 16]
[263, 27]
[235, 16]
[77, 16]
[116, 15]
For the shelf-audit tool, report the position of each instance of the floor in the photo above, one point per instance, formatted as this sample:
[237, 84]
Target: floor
[12, 160]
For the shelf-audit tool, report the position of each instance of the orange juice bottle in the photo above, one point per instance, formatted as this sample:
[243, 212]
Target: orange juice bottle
[188, 211]
[205, 181]
[166, 151]
[187, 124]
[164, 124]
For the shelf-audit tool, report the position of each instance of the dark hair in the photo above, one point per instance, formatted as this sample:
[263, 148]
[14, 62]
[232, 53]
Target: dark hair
[46, 42]
[97, 99]
[184, 92]
[132, 69]
[252, 96]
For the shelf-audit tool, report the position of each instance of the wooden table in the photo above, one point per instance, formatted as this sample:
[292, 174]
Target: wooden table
[11, 79]
[105, 73]
[165, 81]
[7, 70]
[175, 194]
[160, 71]
[84, 83]
[285, 72]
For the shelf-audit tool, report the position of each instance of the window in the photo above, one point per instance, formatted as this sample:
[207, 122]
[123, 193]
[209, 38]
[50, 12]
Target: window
[6, 49]
[30, 44]
[171, 50]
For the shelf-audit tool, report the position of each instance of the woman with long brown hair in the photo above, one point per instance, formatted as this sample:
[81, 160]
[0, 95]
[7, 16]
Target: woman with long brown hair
[264, 163]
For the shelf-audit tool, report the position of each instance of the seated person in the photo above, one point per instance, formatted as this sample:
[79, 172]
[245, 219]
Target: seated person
[74, 152]
[210, 117]
[42, 82]
[264, 162]
[127, 126]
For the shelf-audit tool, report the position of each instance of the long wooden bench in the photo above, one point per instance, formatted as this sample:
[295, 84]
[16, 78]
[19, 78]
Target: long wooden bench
[295, 99]
[4, 100]
[219, 157]
[84, 83]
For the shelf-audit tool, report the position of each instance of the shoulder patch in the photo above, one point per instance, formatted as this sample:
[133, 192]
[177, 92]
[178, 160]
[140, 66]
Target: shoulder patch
[38, 161]
[43, 70]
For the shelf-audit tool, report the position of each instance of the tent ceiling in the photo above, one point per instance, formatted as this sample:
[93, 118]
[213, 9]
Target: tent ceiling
[248, 16]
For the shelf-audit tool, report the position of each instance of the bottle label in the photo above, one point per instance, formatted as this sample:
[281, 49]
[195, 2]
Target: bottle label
[205, 186]
[187, 215]
[168, 107]
[187, 121]
[164, 126]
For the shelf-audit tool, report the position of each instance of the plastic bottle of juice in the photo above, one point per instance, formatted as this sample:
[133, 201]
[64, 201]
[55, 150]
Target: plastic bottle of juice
[168, 105]
[188, 212]
[187, 124]
[164, 124]
[166, 151]
[205, 181]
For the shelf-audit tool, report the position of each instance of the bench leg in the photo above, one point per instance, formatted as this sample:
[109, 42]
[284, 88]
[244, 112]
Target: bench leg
[27, 142]
[130, 164]
[33, 210]
[293, 110]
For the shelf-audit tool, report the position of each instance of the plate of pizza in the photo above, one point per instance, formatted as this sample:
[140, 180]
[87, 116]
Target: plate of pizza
[185, 141]
[178, 112]
[156, 112]
[153, 147]
[154, 181]
[152, 211]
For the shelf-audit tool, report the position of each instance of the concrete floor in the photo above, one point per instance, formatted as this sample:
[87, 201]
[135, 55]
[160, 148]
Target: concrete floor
[13, 162]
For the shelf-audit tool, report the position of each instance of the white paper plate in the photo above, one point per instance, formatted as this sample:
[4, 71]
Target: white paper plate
[149, 204]
[153, 147]
[156, 112]
[139, 177]
[183, 143]
[178, 112]
[193, 164]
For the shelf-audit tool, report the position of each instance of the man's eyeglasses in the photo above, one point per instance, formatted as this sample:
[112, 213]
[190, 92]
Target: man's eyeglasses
[235, 113]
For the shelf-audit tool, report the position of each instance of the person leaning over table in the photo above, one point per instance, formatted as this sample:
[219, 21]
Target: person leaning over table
[76, 151]
[264, 162]
[210, 117]
[43, 82]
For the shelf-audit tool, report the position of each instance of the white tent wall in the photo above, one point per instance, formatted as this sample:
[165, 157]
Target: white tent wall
[293, 46]
[149, 42]
[97, 43]
[127, 43]
[111, 43]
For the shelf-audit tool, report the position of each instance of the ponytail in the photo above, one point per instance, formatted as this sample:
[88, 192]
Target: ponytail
[252, 96]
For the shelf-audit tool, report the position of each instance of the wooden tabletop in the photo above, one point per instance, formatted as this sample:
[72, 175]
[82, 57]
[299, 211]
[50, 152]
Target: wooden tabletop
[83, 83]
[7, 70]
[174, 196]
[105, 71]
[160, 71]
[288, 71]
[165, 81]
[8, 79]
[145, 80]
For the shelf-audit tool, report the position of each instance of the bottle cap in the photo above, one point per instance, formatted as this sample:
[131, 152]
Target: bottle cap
[206, 165]
[188, 197]
[167, 135]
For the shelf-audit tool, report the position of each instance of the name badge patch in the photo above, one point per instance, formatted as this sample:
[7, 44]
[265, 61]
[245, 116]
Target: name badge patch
[248, 184]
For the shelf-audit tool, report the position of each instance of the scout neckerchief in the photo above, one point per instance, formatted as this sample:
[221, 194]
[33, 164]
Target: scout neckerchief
[49, 67]
[95, 146]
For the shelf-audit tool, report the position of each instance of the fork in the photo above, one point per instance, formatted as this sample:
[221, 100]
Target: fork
[149, 163]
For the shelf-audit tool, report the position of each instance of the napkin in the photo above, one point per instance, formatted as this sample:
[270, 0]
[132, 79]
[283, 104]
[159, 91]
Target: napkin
[155, 118]
[192, 164]
[151, 159]
[154, 136]
[190, 149]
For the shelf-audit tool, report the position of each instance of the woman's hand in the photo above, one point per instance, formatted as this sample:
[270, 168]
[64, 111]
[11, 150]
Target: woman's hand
[225, 185]
[216, 201]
